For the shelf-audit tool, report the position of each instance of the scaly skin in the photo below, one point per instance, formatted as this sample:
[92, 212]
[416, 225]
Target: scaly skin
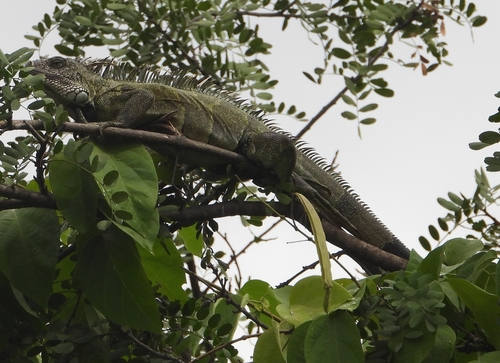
[203, 114]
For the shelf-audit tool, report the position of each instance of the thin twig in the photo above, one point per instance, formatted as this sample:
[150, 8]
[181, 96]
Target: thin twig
[372, 61]
[222, 346]
[334, 256]
[312, 266]
[148, 348]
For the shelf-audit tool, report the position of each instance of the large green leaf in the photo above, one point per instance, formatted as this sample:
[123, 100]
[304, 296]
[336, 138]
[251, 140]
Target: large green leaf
[491, 357]
[8, 305]
[164, 267]
[29, 245]
[457, 250]
[191, 240]
[444, 345]
[432, 263]
[333, 338]
[452, 254]
[115, 282]
[74, 188]
[267, 349]
[261, 294]
[307, 300]
[483, 305]
[295, 350]
[127, 178]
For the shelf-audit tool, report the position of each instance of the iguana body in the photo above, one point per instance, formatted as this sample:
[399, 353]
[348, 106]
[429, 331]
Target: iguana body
[201, 113]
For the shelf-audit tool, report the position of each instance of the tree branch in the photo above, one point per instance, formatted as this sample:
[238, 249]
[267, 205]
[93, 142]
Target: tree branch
[352, 245]
[371, 62]
[208, 156]
[192, 152]
[22, 198]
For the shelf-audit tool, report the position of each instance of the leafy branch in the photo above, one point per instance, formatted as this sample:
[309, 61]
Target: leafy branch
[175, 145]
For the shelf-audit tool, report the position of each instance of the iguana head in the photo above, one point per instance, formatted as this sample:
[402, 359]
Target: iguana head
[66, 80]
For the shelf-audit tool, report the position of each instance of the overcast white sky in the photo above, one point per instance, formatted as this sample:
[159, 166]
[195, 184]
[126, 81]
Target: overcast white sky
[416, 152]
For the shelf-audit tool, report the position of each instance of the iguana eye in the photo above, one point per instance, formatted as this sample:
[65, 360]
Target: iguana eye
[57, 62]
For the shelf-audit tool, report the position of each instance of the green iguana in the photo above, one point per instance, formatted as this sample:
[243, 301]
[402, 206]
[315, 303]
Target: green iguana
[101, 91]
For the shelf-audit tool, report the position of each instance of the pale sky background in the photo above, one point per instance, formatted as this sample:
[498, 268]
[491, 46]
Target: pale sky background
[416, 152]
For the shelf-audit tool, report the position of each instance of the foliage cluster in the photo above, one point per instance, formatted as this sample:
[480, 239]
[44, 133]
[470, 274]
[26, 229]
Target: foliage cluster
[92, 269]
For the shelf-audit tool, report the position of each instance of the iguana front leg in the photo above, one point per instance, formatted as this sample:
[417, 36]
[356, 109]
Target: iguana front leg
[125, 106]
[277, 152]
[273, 151]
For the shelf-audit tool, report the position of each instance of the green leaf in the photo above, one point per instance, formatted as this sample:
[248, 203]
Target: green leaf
[369, 107]
[29, 246]
[431, 264]
[110, 177]
[260, 291]
[119, 197]
[434, 232]
[295, 350]
[192, 241]
[261, 85]
[497, 277]
[83, 20]
[21, 53]
[320, 242]
[489, 137]
[321, 29]
[116, 6]
[477, 21]
[307, 300]
[416, 349]
[333, 338]
[493, 163]
[119, 52]
[267, 349]
[368, 121]
[112, 41]
[266, 96]
[457, 250]
[3, 58]
[444, 345]
[164, 268]
[379, 82]
[341, 53]
[490, 357]
[477, 145]
[75, 191]
[495, 117]
[34, 80]
[483, 305]
[8, 93]
[452, 253]
[483, 264]
[311, 78]
[204, 23]
[448, 205]
[115, 282]
[348, 100]
[384, 92]
[349, 115]
[130, 169]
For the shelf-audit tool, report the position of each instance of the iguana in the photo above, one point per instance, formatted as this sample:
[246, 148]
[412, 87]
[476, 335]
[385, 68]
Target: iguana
[101, 91]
